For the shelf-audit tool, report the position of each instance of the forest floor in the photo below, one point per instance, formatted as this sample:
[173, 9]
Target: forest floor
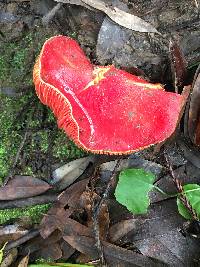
[50, 214]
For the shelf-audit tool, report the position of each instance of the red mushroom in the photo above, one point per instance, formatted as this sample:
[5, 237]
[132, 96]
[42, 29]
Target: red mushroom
[102, 109]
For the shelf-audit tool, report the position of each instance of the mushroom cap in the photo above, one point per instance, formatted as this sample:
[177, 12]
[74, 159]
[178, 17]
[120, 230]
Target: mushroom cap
[102, 109]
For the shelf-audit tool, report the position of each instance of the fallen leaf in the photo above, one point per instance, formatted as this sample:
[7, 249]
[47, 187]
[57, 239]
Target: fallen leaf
[39, 243]
[54, 219]
[68, 173]
[71, 196]
[120, 229]
[57, 214]
[51, 252]
[76, 228]
[23, 187]
[121, 17]
[172, 248]
[133, 161]
[67, 250]
[112, 252]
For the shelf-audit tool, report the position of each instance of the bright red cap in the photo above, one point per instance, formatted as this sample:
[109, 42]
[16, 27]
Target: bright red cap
[102, 109]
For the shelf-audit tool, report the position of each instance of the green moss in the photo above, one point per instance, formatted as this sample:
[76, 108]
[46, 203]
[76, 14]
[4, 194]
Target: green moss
[10, 136]
[34, 212]
[65, 149]
[16, 64]
[17, 57]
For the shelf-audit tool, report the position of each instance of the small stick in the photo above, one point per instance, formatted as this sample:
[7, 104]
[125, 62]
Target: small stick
[11, 173]
[181, 191]
[27, 202]
[97, 210]
[13, 244]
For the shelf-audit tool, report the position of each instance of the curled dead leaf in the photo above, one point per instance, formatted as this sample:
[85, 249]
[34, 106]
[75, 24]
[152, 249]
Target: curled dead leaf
[23, 187]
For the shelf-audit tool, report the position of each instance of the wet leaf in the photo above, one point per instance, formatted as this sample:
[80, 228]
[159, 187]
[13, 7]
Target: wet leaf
[23, 187]
[192, 193]
[132, 189]
[67, 250]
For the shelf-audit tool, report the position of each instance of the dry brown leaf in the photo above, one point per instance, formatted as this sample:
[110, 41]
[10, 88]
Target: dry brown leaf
[121, 228]
[38, 243]
[71, 196]
[121, 17]
[54, 219]
[24, 262]
[112, 252]
[73, 227]
[57, 214]
[23, 187]
[52, 252]
[68, 173]
[67, 250]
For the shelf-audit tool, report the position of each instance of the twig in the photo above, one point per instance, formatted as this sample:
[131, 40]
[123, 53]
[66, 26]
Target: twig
[180, 190]
[27, 202]
[97, 209]
[13, 244]
[11, 173]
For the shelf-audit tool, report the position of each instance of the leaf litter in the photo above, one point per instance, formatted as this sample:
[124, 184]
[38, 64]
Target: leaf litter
[68, 226]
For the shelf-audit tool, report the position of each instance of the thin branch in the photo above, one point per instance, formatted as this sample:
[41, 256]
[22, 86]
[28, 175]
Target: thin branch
[12, 171]
[13, 244]
[97, 209]
[180, 190]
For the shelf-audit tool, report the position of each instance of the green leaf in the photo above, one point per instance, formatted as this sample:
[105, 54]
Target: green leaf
[192, 193]
[133, 188]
